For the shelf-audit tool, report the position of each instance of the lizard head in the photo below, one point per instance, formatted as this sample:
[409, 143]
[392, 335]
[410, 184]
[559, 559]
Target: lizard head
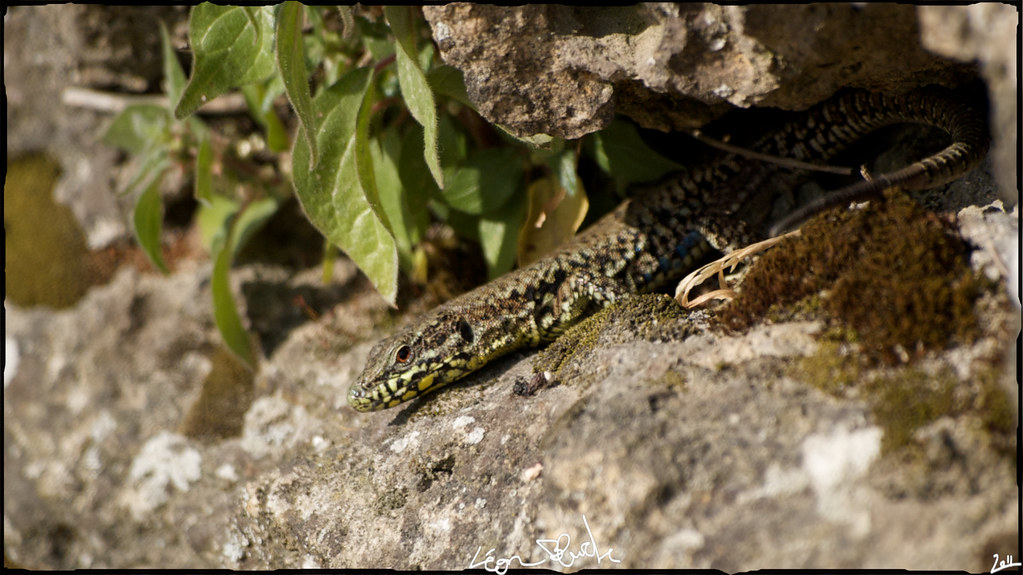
[428, 355]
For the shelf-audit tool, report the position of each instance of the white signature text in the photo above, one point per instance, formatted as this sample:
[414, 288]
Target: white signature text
[1003, 564]
[556, 550]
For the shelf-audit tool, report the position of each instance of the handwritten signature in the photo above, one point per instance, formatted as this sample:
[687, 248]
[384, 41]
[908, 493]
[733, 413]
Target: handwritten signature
[555, 549]
[1003, 564]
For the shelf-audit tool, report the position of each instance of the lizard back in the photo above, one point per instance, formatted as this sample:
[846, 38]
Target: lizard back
[655, 238]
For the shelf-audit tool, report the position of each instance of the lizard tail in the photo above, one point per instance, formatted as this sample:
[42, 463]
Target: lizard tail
[938, 108]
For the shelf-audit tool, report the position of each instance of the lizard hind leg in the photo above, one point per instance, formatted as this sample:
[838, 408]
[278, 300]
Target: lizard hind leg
[579, 296]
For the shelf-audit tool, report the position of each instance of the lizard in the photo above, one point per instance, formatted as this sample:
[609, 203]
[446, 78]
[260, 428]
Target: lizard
[658, 235]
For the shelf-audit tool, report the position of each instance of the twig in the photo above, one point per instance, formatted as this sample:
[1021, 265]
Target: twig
[786, 162]
[114, 103]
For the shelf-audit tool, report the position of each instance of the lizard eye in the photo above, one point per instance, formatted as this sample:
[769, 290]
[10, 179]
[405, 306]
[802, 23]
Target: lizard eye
[403, 354]
[465, 330]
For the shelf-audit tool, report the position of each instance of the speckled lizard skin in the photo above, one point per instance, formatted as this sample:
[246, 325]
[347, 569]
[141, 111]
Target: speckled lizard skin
[657, 237]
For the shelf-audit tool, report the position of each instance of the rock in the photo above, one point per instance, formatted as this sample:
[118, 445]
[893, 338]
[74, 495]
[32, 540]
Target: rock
[564, 71]
[985, 34]
[656, 449]
[664, 444]
[89, 421]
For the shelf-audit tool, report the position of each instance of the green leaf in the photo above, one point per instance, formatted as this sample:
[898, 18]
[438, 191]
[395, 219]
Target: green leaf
[498, 237]
[260, 103]
[414, 86]
[425, 57]
[564, 168]
[332, 195]
[375, 36]
[204, 172]
[260, 96]
[329, 257]
[153, 163]
[417, 185]
[484, 182]
[148, 223]
[449, 81]
[221, 215]
[536, 140]
[252, 218]
[232, 45]
[142, 130]
[173, 74]
[406, 211]
[620, 151]
[225, 312]
[451, 140]
[291, 63]
[213, 219]
[276, 134]
[412, 169]
[364, 159]
[315, 45]
[225, 232]
[138, 128]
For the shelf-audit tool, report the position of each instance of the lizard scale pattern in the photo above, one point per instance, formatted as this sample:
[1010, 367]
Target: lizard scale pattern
[655, 238]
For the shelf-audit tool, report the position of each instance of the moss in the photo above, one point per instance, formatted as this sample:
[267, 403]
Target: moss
[892, 282]
[674, 379]
[892, 272]
[914, 288]
[807, 308]
[829, 369]
[576, 340]
[431, 468]
[391, 501]
[226, 395]
[907, 401]
[997, 415]
[645, 315]
[903, 399]
[47, 258]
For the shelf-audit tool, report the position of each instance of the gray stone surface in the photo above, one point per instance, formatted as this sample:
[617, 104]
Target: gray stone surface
[566, 70]
[985, 33]
[672, 451]
[710, 451]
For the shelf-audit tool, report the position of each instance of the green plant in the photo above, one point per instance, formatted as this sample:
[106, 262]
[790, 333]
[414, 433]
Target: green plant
[382, 146]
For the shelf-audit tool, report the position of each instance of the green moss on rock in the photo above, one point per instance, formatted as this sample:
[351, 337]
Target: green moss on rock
[894, 273]
[828, 368]
[227, 393]
[908, 400]
[48, 262]
[651, 315]
[996, 412]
